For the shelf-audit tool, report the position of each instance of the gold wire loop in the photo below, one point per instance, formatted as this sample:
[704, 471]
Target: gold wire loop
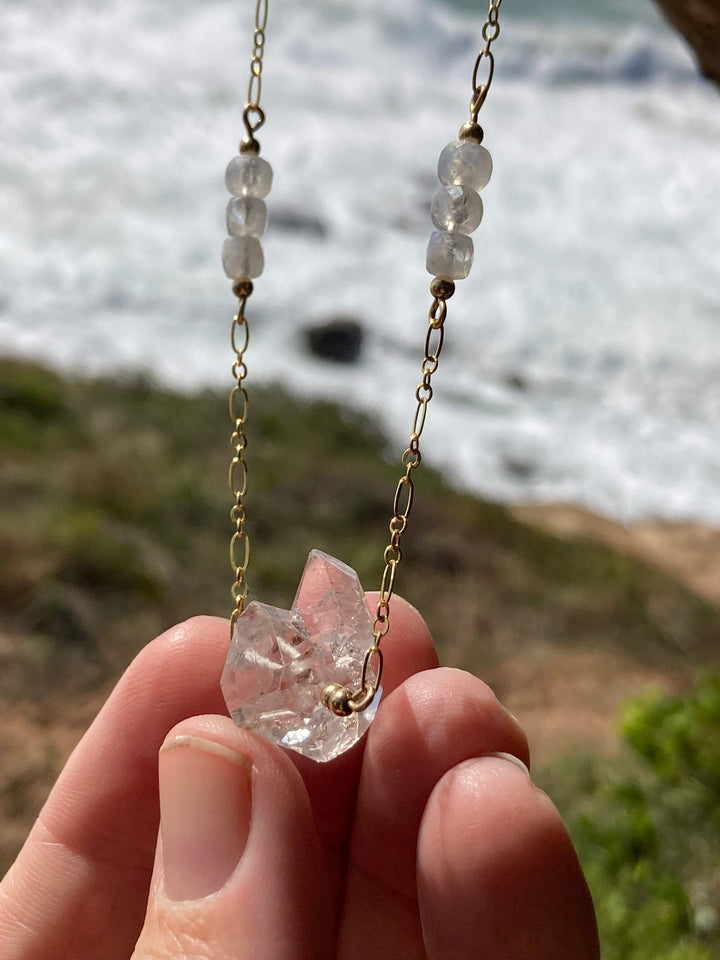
[239, 566]
[239, 415]
[362, 700]
[424, 392]
[240, 593]
[437, 313]
[405, 485]
[480, 91]
[239, 369]
[387, 584]
[392, 554]
[419, 420]
[341, 701]
[261, 15]
[490, 30]
[372, 652]
[238, 464]
[436, 332]
[411, 457]
[238, 512]
[253, 114]
[239, 323]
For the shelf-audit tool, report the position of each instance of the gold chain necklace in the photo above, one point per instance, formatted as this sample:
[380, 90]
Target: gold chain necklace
[305, 678]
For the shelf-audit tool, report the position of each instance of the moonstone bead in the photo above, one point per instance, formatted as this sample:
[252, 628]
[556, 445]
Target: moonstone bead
[248, 175]
[449, 254]
[465, 162]
[242, 258]
[456, 208]
[246, 217]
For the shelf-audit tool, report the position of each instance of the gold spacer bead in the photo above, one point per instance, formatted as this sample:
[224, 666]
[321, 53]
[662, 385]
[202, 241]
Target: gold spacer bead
[337, 699]
[242, 288]
[442, 288]
[472, 131]
[250, 145]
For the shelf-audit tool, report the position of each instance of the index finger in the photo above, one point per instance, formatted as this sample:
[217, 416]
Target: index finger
[83, 875]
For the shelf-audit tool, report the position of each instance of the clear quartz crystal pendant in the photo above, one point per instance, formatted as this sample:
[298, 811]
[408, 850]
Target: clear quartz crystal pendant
[280, 661]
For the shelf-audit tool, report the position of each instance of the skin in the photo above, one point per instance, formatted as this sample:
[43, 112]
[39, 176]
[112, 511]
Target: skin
[419, 844]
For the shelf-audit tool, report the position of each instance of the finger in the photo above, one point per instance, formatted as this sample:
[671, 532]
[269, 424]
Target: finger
[332, 787]
[434, 721]
[497, 873]
[238, 872]
[408, 649]
[79, 885]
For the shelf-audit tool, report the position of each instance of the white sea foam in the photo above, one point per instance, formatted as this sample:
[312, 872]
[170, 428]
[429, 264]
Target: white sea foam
[582, 357]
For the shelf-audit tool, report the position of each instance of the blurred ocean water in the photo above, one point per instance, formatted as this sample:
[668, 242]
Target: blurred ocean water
[582, 356]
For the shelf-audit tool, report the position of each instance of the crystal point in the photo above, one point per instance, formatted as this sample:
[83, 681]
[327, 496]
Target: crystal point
[280, 661]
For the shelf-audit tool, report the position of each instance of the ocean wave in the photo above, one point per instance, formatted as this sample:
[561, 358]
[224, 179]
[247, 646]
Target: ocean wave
[582, 357]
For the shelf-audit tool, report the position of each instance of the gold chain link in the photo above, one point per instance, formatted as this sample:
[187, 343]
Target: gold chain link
[238, 473]
[442, 289]
[336, 697]
[256, 60]
[490, 32]
[253, 114]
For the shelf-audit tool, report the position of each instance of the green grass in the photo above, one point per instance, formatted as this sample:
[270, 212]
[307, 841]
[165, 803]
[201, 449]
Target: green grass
[646, 827]
[113, 508]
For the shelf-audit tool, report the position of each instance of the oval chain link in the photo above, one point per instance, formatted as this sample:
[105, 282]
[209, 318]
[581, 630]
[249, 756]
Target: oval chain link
[238, 405]
[256, 60]
[490, 32]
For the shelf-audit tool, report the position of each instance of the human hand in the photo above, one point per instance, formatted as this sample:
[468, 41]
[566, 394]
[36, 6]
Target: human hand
[420, 845]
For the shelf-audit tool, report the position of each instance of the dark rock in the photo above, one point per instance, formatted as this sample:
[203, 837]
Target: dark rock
[293, 221]
[339, 340]
[520, 469]
[699, 23]
[517, 382]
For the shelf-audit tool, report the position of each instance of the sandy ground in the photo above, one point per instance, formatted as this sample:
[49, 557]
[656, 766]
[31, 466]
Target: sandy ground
[688, 551]
[570, 698]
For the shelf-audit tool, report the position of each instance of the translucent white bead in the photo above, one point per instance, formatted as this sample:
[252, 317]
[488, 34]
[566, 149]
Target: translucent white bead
[242, 258]
[449, 254]
[456, 208]
[465, 162]
[246, 217]
[248, 176]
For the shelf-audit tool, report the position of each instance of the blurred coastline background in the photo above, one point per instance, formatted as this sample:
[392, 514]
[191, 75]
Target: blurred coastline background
[583, 364]
[568, 515]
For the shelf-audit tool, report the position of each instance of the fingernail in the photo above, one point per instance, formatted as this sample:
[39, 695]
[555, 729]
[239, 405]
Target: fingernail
[512, 758]
[205, 806]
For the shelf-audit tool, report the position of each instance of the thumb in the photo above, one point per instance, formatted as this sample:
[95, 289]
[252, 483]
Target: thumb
[236, 849]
